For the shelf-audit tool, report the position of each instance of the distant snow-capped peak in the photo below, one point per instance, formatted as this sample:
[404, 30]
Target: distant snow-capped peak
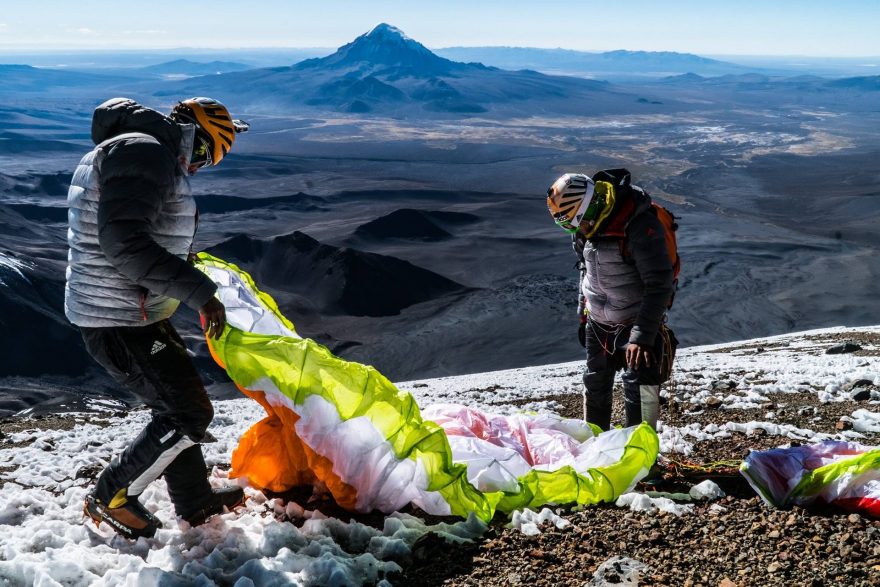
[387, 31]
[385, 46]
[391, 37]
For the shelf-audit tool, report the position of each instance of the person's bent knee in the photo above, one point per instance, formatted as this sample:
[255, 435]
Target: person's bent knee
[599, 381]
[195, 424]
[643, 376]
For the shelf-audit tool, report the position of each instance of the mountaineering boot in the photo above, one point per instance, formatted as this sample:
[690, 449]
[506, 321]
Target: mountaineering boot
[193, 498]
[131, 519]
[220, 498]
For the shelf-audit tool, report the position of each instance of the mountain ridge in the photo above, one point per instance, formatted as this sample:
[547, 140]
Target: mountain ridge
[336, 279]
[615, 63]
[193, 68]
[386, 72]
[385, 46]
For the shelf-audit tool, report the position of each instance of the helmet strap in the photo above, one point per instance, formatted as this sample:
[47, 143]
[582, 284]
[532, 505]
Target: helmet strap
[187, 141]
[585, 203]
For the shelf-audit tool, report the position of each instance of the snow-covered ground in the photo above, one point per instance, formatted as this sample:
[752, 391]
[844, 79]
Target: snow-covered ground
[47, 472]
[736, 375]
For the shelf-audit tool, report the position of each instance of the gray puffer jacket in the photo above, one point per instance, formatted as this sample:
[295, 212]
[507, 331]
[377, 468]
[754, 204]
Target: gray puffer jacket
[132, 220]
[631, 287]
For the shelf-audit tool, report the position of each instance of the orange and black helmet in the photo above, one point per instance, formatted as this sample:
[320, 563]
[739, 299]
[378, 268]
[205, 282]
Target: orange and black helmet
[215, 128]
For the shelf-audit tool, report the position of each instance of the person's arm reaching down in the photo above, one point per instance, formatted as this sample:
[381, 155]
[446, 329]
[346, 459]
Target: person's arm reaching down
[136, 177]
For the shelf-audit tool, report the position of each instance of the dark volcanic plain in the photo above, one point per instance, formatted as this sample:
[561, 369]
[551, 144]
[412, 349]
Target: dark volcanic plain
[417, 239]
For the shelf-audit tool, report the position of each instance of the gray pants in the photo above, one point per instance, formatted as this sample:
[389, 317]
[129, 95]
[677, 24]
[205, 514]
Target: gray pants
[606, 348]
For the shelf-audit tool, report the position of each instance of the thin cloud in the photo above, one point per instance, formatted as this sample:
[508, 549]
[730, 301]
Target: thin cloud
[145, 32]
[84, 31]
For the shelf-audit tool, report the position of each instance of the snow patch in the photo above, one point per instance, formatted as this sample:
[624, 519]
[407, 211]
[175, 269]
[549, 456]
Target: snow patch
[387, 31]
[529, 522]
[640, 502]
[706, 490]
[14, 265]
[865, 421]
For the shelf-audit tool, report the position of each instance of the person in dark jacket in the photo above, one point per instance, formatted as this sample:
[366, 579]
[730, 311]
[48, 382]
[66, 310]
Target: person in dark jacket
[626, 285]
[132, 220]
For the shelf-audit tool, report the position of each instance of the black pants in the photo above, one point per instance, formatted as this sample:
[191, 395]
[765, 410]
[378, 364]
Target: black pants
[606, 354]
[153, 363]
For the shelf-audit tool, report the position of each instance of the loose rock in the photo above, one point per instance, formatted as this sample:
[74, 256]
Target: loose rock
[847, 347]
[860, 394]
[857, 383]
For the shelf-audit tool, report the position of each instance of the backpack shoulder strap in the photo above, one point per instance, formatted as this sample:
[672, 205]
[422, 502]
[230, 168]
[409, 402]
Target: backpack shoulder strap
[578, 242]
[624, 242]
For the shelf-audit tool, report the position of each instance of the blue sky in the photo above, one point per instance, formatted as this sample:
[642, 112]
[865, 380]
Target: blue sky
[740, 27]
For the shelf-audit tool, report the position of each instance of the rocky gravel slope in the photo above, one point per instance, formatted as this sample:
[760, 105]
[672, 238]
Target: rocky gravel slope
[781, 392]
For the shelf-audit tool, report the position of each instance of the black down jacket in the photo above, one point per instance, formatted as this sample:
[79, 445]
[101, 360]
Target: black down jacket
[132, 220]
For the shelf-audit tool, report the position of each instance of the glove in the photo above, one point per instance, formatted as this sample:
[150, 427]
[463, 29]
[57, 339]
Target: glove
[213, 317]
[582, 332]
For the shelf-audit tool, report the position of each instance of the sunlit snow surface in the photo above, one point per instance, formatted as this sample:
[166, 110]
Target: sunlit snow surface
[529, 521]
[13, 265]
[43, 540]
[792, 363]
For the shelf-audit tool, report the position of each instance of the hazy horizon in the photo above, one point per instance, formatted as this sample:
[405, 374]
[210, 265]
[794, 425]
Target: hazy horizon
[749, 28]
[268, 48]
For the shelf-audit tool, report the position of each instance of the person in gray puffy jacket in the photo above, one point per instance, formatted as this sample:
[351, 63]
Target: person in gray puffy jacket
[132, 220]
[626, 286]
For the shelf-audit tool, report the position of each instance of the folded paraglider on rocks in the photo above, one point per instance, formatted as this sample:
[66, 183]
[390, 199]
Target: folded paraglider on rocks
[345, 427]
[844, 474]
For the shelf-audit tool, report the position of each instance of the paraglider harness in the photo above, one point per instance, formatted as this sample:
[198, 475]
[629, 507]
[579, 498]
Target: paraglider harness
[620, 181]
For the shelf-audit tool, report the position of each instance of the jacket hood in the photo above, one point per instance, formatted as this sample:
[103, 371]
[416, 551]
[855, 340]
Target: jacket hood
[641, 201]
[122, 115]
[630, 202]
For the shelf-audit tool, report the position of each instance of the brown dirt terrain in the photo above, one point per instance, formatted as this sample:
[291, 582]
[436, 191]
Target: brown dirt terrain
[744, 542]
[734, 541]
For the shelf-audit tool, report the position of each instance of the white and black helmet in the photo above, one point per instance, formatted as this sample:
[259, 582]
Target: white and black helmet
[569, 198]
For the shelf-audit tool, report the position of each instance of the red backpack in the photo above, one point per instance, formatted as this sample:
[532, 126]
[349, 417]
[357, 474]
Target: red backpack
[667, 219]
[670, 226]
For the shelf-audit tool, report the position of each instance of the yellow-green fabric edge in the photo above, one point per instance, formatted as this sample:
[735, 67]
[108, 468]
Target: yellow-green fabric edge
[300, 368]
[812, 483]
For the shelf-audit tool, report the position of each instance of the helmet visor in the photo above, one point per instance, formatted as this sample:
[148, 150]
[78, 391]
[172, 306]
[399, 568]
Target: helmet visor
[563, 222]
[201, 155]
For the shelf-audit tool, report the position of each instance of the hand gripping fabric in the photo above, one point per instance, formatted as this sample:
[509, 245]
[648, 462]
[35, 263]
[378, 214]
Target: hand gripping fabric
[344, 426]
